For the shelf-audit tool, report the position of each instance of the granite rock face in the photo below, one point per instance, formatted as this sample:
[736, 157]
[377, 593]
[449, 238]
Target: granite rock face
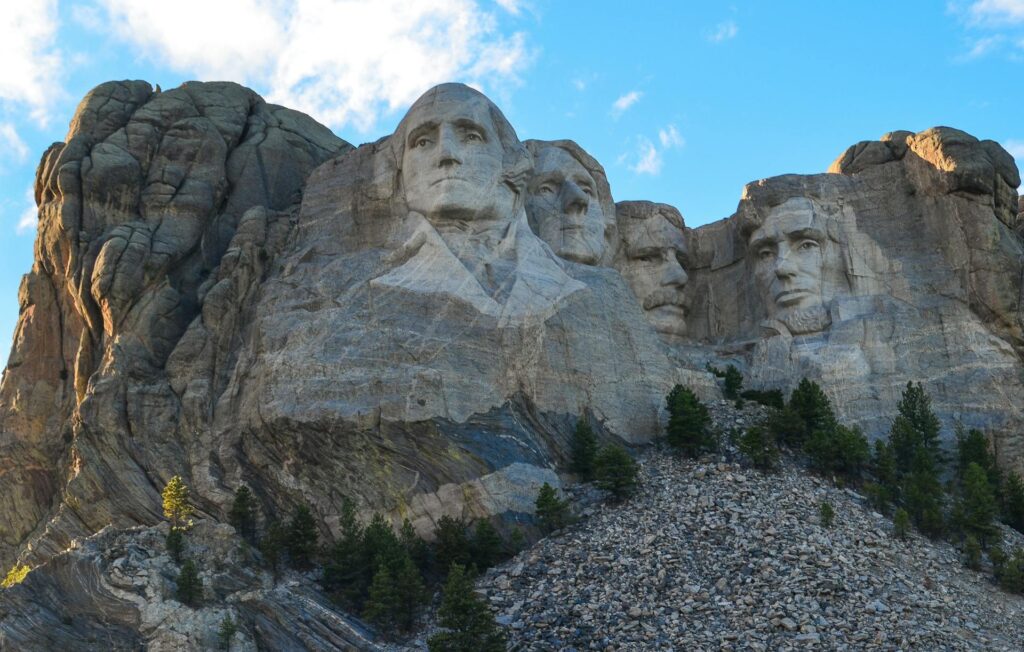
[224, 290]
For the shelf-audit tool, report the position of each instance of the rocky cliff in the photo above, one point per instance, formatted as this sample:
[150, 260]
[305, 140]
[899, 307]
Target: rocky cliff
[224, 290]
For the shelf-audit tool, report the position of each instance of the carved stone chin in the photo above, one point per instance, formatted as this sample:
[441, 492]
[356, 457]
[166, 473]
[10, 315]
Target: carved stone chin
[803, 321]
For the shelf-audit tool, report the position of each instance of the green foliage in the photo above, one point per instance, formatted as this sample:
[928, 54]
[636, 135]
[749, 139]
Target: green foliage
[813, 407]
[584, 448]
[688, 420]
[469, 625]
[301, 538]
[772, 398]
[486, 545]
[16, 575]
[615, 471]
[972, 553]
[242, 514]
[901, 524]
[175, 544]
[451, 543]
[396, 594]
[516, 541]
[733, 383]
[552, 512]
[417, 548]
[272, 546]
[717, 371]
[827, 514]
[347, 574]
[973, 447]
[1013, 502]
[759, 447]
[838, 450]
[883, 467]
[976, 510]
[998, 558]
[787, 427]
[914, 427]
[176, 505]
[227, 630]
[922, 493]
[1011, 573]
[190, 586]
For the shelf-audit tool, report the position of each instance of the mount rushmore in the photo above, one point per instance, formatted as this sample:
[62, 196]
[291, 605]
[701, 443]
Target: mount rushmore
[226, 291]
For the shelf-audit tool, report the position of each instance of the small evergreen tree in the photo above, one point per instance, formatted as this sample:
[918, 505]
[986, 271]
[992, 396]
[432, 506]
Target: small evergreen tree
[584, 448]
[915, 426]
[242, 515]
[883, 466]
[688, 420]
[787, 427]
[972, 553]
[469, 625]
[227, 630]
[451, 545]
[175, 544]
[615, 471]
[1011, 573]
[395, 595]
[1013, 502]
[827, 514]
[976, 510]
[346, 573]
[972, 447]
[922, 491]
[272, 546]
[486, 544]
[190, 585]
[901, 524]
[414, 545]
[552, 512]
[813, 407]
[516, 541]
[759, 447]
[176, 504]
[301, 539]
[733, 383]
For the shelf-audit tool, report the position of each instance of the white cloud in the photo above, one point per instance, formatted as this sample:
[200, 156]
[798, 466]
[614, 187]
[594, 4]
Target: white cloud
[648, 158]
[511, 6]
[341, 61]
[27, 220]
[1015, 148]
[579, 84]
[31, 65]
[670, 137]
[629, 99]
[11, 142]
[981, 47]
[996, 12]
[723, 32]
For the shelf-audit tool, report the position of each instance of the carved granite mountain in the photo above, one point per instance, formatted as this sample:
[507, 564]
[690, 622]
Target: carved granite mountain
[224, 290]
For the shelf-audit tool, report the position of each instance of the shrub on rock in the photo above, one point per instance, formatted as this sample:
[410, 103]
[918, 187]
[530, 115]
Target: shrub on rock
[615, 471]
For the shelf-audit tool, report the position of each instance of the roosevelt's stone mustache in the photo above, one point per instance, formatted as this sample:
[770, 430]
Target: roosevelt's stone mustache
[664, 297]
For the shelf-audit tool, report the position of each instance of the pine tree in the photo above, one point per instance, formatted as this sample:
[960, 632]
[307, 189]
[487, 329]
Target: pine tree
[227, 630]
[176, 504]
[451, 545]
[1013, 502]
[242, 515]
[972, 553]
[301, 538]
[583, 447]
[922, 491]
[827, 514]
[552, 512]
[414, 545]
[901, 523]
[615, 471]
[813, 407]
[976, 509]
[915, 425]
[272, 545]
[688, 421]
[346, 569]
[175, 544]
[787, 427]
[733, 383]
[382, 604]
[395, 594]
[190, 585]
[759, 447]
[883, 467]
[486, 544]
[470, 625]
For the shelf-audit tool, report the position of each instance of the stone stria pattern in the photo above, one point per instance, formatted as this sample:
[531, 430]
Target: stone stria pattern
[224, 290]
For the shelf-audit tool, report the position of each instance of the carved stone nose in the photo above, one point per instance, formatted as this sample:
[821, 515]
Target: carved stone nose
[574, 200]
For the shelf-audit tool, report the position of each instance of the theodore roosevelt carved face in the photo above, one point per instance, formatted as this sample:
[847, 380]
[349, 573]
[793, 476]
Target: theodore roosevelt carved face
[563, 206]
[651, 260]
[789, 250]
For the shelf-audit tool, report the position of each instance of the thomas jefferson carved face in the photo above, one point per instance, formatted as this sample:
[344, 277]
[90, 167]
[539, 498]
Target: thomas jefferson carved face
[563, 206]
[651, 261]
[789, 257]
[452, 163]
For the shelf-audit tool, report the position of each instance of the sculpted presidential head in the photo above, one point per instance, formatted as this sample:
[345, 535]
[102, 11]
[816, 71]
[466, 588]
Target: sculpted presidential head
[651, 257]
[792, 256]
[568, 201]
[460, 160]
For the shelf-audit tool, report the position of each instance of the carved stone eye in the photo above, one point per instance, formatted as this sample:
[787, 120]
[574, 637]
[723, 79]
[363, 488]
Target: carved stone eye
[422, 141]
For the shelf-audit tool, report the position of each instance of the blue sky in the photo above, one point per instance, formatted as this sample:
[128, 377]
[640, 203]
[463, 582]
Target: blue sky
[683, 102]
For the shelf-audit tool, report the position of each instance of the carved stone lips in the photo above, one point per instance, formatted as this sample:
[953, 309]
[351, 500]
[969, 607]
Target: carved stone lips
[788, 296]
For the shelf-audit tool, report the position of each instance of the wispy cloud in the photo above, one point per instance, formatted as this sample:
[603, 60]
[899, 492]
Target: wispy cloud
[995, 12]
[31, 62]
[27, 220]
[624, 102]
[341, 62]
[723, 32]
[648, 158]
[990, 26]
[11, 142]
[511, 6]
[669, 137]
